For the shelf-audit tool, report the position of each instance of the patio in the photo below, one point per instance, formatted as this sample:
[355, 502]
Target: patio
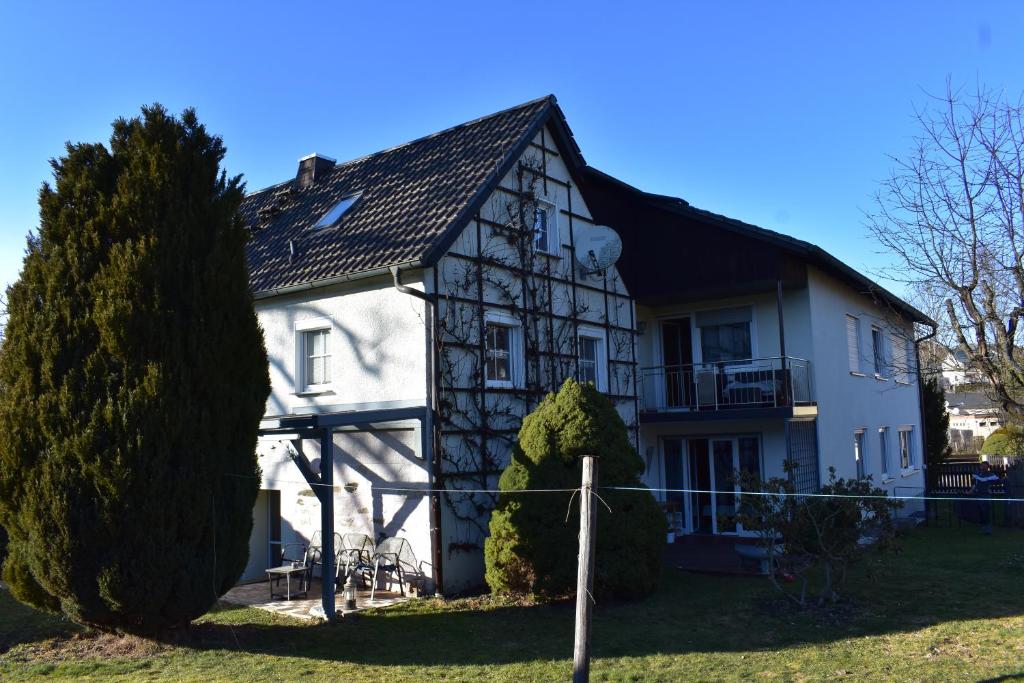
[258, 595]
[708, 554]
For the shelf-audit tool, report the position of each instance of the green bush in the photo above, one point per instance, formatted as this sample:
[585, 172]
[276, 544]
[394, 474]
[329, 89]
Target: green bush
[532, 549]
[1007, 440]
[133, 375]
[824, 533]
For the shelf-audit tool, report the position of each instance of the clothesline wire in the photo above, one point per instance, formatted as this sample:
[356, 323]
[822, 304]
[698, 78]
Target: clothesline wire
[780, 494]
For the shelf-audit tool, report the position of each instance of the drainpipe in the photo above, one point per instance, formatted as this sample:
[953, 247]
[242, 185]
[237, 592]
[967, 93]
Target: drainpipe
[435, 459]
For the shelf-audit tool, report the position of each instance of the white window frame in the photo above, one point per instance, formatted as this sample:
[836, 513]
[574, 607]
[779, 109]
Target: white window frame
[516, 357]
[858, 453]
[883, 452]
[302, 386]
[554, 245]
[878, 358]
[906, 437]
[854, 355]
[601, 357]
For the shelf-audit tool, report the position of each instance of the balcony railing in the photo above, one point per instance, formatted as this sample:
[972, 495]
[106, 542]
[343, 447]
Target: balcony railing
[752, 383]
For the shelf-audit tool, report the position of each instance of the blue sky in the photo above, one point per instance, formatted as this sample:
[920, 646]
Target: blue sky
[780, 114]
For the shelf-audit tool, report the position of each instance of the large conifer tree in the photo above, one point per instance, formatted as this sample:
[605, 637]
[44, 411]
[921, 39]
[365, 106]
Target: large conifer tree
[133, 376]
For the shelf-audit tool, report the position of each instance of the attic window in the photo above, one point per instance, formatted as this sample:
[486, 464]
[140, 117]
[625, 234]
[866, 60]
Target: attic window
[336, 212]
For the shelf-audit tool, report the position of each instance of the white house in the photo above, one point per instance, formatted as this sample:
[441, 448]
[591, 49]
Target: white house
[419, 301]
[756, 348]
[973, 417]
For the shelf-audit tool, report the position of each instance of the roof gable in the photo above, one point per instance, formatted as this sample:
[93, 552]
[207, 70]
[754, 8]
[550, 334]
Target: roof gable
[413, 200]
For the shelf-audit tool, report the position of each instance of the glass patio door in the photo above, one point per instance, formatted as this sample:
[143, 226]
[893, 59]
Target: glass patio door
[712, 465]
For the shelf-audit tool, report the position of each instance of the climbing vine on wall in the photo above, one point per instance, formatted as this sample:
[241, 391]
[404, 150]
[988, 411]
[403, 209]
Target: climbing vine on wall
[498, 269]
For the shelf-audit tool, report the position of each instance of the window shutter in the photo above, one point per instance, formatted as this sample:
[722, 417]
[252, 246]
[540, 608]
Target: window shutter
[853, 342]
[899, 358]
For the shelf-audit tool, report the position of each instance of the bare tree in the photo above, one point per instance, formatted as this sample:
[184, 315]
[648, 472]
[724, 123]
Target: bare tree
[952, 210]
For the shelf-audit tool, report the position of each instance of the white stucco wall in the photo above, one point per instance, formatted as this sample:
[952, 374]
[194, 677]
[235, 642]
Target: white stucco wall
[366, 464]
[764, 327]
[378, 346]
[815, 329]
[847, 401]
[379, 359]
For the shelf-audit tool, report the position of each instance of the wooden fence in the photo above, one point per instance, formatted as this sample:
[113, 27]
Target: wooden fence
[957, 478]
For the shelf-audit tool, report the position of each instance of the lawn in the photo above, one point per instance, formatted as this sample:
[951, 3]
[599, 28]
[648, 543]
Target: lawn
[949, 606]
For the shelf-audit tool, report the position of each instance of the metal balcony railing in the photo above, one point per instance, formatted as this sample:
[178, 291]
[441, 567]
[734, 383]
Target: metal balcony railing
[751, 383]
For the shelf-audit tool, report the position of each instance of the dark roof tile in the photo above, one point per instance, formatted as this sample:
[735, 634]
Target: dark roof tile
[411, 196]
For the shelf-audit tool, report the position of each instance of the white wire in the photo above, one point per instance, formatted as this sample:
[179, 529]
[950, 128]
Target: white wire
[781, 494]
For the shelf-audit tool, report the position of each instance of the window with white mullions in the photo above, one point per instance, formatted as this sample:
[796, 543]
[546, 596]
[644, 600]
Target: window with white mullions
[499, 353]
[317, 352]
[588, 360]
[906, 448]
[545, 227]
[591, 357]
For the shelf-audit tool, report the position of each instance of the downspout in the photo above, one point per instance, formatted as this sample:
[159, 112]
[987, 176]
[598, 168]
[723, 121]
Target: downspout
[435, 457]
[920, 408]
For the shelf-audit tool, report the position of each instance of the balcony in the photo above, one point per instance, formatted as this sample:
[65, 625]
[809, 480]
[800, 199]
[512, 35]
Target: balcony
[756, 387]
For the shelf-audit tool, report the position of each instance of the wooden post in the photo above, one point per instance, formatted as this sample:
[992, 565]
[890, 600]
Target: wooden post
[327, 523]
[585, 572]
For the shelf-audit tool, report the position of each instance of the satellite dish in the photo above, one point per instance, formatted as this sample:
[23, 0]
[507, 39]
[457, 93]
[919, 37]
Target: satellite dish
[598, 247]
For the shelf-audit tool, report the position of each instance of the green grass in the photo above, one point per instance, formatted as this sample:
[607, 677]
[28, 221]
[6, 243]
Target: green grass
[949, 606]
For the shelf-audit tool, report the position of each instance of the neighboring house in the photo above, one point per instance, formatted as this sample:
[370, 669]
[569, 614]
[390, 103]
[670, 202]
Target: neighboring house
[419, 301]
[952, 367]
[973, 416]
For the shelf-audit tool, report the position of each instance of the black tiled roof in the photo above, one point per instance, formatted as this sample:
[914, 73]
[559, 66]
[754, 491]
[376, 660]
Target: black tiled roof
[412, 199]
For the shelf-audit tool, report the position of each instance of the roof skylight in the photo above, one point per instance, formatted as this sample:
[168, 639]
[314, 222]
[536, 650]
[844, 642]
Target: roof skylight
[335, 213]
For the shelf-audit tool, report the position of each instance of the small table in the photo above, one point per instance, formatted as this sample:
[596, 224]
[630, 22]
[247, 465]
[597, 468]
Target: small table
[287, 571]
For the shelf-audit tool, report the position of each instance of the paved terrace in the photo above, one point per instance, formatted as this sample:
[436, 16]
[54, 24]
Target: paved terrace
[258, 595]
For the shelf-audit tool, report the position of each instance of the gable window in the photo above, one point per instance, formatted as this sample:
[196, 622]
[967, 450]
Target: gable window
[906, 447]
[592, 358]
[853, 342]
[313, 356]
[545, 227]
[858, 452]
[883, 449]
[725, 335]
[502, 344]
[878, 350]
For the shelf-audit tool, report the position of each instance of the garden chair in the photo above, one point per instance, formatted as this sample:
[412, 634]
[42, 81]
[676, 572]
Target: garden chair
[353, 553]
[394, 556]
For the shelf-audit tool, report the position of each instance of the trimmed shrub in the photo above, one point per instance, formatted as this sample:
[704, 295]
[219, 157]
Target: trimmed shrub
[532, 549]
[133, 375]
[1007, 440]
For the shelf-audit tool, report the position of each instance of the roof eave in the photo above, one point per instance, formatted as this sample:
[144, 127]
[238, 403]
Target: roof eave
[337, 279]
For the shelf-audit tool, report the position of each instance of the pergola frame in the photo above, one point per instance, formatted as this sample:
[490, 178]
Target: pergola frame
[298, 428]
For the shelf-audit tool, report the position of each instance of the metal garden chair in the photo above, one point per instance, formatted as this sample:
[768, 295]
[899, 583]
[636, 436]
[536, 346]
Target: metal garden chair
[353, 553]
[395, 557]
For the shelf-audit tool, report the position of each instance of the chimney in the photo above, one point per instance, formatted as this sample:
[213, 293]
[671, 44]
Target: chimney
[311, 168]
